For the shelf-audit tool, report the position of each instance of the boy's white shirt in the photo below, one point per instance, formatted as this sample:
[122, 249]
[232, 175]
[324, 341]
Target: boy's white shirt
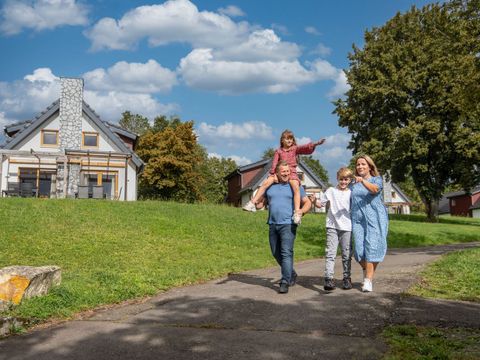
[338, 216]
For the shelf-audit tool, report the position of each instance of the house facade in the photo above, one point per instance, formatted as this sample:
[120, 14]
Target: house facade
[396, 201]
[244, 182]
[67, 151]
[464, 203]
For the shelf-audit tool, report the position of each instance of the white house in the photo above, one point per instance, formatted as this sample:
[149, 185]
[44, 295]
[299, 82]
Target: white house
[68, 151]
[395, 199]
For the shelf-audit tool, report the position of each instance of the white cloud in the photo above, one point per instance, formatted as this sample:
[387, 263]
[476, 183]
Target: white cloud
[312, 30]
[321, 50]
[232, 11]
[172, 21]
[200, 69]
[303, 140]
[23, 99]
[341, 86]
[110, 105]
[261, 45]
[3, 120]
[239, 160]
[38, 15]
[281, 29]
[334, 154]
[150, 77]
[249, 130]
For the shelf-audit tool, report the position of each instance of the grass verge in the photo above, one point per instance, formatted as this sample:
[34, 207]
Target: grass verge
[114, 251]
[415, 342]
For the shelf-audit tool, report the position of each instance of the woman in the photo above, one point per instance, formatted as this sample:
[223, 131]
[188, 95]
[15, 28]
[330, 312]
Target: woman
[369, 219]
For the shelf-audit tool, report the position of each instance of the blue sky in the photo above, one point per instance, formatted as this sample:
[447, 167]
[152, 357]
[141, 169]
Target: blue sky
[243, 70]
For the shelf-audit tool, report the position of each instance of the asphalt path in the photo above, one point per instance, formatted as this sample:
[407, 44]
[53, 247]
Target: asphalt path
[242, 316]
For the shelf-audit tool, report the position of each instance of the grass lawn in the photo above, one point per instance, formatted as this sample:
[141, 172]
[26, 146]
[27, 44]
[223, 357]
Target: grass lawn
[114, 251]
[415, 342]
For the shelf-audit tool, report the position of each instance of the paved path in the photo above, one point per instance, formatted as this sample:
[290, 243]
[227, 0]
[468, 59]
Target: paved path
[242, 317]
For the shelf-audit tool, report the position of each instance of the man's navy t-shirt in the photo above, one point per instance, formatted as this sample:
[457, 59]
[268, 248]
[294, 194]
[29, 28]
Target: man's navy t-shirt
[280, 203]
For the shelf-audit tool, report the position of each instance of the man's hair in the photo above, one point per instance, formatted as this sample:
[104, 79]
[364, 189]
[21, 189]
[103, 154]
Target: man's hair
[344, 172]
[280, 164]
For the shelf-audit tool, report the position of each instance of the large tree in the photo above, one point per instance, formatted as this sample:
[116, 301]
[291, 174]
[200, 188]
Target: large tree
[135, 123]
[214, 171]
[414, 101]
[173, 161]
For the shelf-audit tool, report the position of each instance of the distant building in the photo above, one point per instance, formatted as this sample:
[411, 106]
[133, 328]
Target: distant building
[464, 203]
[396, 201]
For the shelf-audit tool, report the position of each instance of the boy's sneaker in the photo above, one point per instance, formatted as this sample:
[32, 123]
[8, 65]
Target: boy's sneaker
[367, 285]
[249, 206]
[297, 217]
[329, 284]
[347, 283]
[283, 288]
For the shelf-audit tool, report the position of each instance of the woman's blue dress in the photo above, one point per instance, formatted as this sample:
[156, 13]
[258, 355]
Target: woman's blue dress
[369, 222]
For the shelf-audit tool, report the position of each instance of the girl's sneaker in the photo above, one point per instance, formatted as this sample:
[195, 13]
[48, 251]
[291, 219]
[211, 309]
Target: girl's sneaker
[367, 285]
[249, 206]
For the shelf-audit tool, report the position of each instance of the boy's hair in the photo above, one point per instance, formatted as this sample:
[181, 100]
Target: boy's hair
[344, 172]
[373, 167]
[287, 134]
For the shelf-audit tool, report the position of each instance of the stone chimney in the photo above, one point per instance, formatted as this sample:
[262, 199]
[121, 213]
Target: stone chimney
[71, 100]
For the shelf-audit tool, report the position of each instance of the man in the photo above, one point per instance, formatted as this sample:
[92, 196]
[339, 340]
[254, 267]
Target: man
[282, 229]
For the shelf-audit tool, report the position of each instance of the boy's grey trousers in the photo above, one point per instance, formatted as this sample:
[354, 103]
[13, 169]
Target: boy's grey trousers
[334, 237]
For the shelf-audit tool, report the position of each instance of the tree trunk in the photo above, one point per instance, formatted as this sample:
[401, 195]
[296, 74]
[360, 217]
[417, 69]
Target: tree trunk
[431, 206]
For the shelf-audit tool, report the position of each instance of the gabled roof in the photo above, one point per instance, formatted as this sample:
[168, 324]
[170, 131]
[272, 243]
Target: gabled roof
[24, 129]
[400, 192]
[476, 205]
[266, 164]
[475, 190]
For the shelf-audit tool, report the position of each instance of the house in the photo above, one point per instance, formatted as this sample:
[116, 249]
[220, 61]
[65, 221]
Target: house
[464, 203]
[68, 151]
[244, 182]
[396, 201]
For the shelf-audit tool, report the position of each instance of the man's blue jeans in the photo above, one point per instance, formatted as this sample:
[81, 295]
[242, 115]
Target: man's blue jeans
[282, 238]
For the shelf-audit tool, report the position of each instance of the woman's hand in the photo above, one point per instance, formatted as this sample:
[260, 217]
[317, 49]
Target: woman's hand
[358, 179]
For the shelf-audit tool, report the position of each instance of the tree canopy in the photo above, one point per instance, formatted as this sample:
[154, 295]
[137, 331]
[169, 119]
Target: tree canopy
[135, 123]
[414, 98]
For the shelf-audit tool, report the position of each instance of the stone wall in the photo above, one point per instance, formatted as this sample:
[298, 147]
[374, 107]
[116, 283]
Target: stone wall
[70, 134]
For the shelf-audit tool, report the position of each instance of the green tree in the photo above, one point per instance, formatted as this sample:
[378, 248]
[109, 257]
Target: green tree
[135, 123]
[214, 171]
[414, 101]
[172, 159]
[268, 154]
[317, 168]
[161, 122]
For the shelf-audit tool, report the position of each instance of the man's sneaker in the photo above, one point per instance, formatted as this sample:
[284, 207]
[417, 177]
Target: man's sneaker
[329, 284]
[347, 283]
[283, 288]
[249, 206]
[294, 279]
[367, 285]
[297, 217]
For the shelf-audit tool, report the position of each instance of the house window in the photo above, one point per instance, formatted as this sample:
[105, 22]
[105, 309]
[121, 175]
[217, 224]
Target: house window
[49, 138]
[90, 139]
[453, 202]
[394, 194]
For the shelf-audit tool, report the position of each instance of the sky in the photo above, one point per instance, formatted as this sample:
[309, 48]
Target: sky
[242, 70]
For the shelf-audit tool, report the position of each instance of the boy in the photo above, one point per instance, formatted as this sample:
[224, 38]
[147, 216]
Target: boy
[339, 227]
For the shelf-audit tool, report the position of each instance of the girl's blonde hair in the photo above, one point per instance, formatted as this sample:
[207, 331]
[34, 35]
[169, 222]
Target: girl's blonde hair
[368, 159]
[287, 134]
[344, 172]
